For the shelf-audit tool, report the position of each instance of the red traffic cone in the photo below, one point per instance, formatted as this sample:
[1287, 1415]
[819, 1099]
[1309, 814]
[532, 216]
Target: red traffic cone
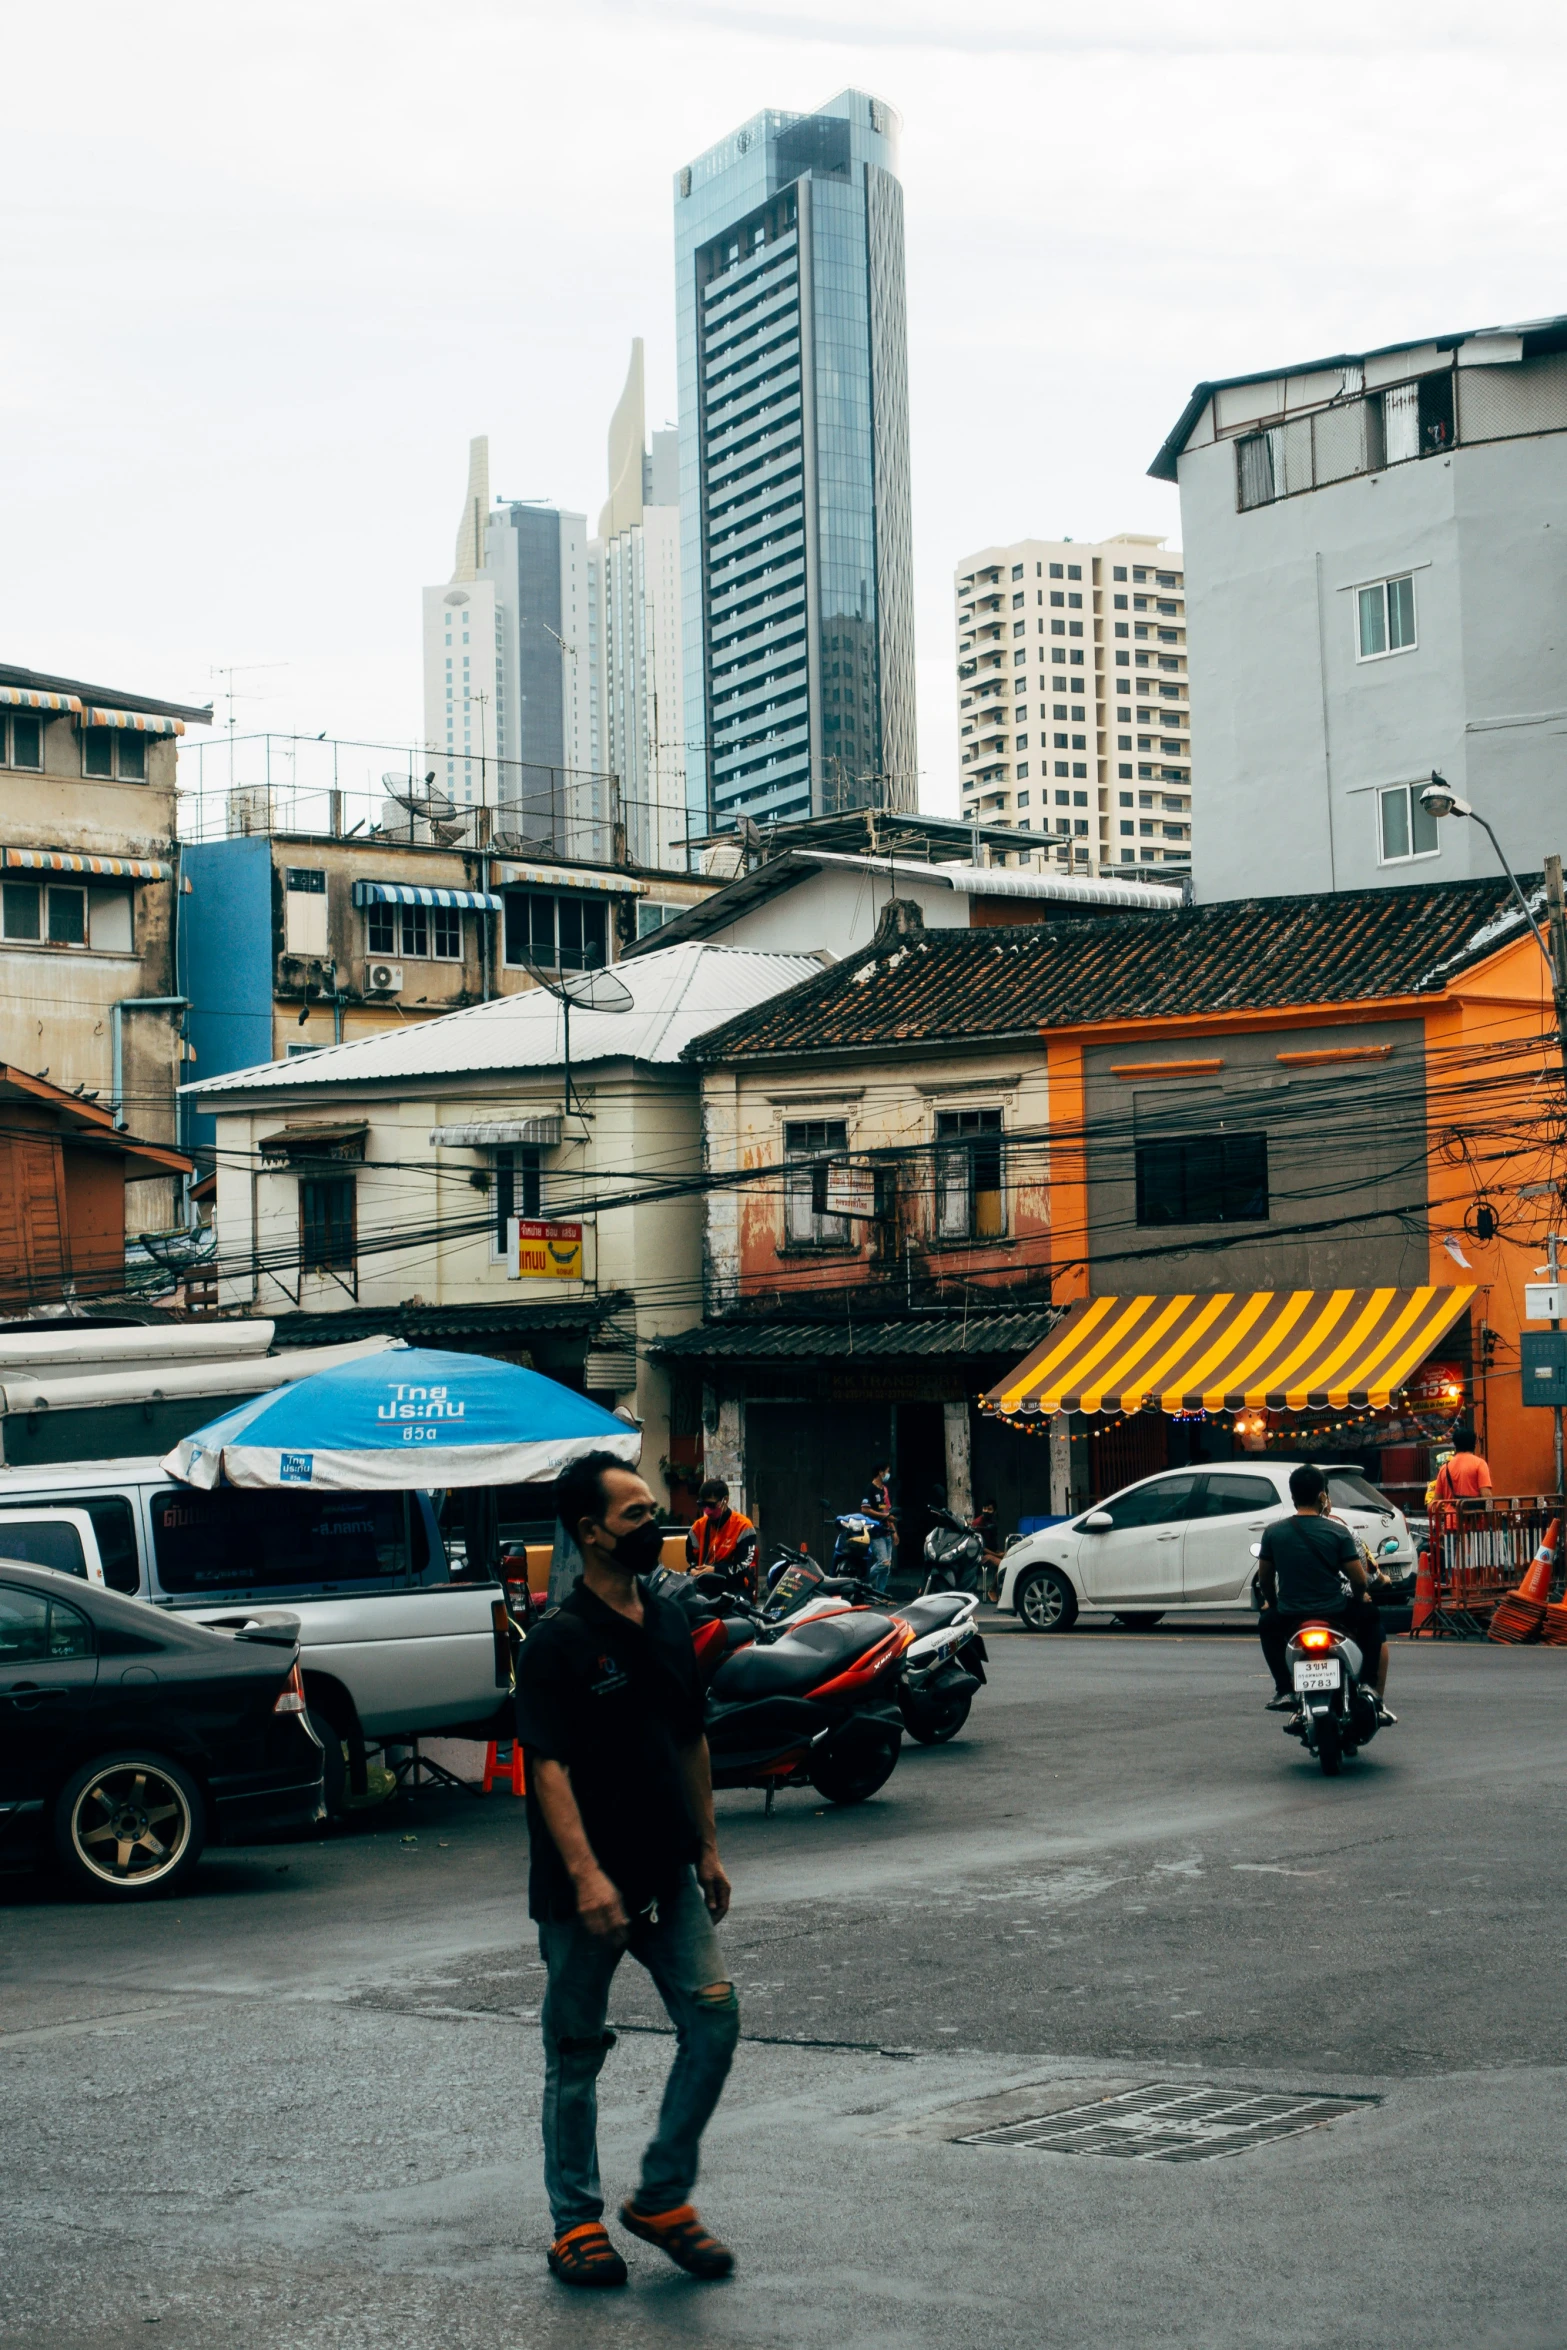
[1520, 1614]
[1425, 1592]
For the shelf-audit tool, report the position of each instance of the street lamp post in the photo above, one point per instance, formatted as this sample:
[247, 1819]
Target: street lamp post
[1440, 799]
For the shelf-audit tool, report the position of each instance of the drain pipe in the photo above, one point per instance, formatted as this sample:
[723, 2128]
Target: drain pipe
[117, 1012]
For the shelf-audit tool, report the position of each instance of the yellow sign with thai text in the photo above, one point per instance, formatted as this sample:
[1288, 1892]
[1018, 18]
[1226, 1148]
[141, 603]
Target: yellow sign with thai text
[546, 1252]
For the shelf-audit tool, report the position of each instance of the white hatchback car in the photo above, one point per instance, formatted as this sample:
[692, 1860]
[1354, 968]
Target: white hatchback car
[1181, 1544]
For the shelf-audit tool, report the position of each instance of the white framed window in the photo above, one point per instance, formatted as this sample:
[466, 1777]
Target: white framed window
[970, 1196]
[810, 1144]
[1405, 830]
[1385, 618]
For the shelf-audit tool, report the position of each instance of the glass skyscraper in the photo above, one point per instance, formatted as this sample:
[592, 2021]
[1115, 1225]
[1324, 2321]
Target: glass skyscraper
[796, 571]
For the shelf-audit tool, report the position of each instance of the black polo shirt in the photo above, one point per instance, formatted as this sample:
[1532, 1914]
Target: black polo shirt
[615, 1702]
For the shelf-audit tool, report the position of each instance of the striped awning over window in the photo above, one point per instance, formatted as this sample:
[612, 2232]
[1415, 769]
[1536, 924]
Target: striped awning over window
[110, 868]
[139, 721]
[25, 697]
[568, 877]
[1286, 1349]
[408, 893]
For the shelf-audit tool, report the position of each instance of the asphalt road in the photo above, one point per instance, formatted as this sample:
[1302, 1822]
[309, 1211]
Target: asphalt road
[296, 2109]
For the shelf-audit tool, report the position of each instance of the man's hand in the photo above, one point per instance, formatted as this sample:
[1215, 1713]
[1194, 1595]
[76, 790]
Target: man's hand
[600, 1908]
[716, 1888]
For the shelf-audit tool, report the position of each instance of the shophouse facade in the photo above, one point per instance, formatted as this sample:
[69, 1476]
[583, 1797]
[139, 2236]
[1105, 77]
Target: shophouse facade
[1295, 1099]
[439, 1183]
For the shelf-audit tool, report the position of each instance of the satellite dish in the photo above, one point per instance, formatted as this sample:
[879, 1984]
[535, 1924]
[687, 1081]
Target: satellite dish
[420, 798]
[586, 991]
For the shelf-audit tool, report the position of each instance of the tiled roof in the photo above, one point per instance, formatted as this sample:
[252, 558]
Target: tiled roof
[442, 1325]
[848, 1339]
[1245, 954]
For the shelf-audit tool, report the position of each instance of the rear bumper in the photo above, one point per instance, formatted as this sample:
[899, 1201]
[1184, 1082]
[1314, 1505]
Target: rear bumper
[262, 1803]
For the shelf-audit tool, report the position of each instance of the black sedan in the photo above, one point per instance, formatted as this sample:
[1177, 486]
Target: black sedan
[130, 1738]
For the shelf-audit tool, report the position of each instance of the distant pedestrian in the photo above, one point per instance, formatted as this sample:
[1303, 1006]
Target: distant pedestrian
[878, 1504]
[722, 1537]
[1464, 1476]
[624, 1856]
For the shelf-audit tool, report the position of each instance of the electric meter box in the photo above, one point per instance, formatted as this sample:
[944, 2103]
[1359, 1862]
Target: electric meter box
[1545, 1301]
[1543, 1366]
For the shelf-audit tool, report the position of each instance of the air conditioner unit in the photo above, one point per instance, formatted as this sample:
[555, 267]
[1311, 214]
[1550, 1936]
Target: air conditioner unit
[383, 979]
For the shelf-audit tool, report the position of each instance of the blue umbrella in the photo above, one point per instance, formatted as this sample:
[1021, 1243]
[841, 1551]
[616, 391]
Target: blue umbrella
[407, 1418]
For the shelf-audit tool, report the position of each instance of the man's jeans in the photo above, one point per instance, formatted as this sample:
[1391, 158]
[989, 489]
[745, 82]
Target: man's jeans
[878, 1572]
[678, 1947]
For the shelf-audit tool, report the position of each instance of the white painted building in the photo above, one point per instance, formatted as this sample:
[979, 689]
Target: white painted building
[388, 1173]
[634, 632]
[1074, 716]
[1376, 564]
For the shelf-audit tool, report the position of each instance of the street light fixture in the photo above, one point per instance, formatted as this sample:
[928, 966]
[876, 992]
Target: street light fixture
[1439, 799]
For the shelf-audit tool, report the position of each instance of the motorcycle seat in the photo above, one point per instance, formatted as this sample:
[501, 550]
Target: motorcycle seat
[936, 1609]
[801, 1659]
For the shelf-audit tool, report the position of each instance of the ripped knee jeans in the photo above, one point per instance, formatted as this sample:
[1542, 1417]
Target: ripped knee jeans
[678, 1947]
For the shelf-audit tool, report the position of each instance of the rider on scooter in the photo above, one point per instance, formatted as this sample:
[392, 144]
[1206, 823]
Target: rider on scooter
[1305, 1562]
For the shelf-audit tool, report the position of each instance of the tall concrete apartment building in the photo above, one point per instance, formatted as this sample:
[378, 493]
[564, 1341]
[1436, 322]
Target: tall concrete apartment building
[797, 585]
[1377, 546]
[507, 691]
[1074, 715]
[635, 673]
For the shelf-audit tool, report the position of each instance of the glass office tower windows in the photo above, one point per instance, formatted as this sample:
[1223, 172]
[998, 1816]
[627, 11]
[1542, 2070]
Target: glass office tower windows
[794, 451]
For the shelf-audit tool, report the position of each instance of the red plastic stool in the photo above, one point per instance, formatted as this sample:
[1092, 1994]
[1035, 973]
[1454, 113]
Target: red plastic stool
[493, 1768]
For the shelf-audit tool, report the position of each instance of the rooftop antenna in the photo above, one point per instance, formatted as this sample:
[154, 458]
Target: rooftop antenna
[590, 991]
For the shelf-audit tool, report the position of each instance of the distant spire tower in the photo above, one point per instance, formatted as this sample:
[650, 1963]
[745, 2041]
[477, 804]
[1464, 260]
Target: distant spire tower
[476, 507]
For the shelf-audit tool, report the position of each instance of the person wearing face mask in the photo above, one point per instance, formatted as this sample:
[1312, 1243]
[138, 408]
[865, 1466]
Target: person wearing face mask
[624, 1856]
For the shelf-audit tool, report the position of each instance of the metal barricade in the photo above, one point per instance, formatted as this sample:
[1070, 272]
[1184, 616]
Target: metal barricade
[1481, 1549]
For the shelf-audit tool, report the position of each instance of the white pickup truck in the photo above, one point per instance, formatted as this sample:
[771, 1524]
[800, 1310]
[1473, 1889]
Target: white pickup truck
[393, 1646]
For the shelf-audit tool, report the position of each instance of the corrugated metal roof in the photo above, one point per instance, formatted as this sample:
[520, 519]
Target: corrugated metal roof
[422, 1325]
[1242, 955]
[678, 994]
[846, 1340]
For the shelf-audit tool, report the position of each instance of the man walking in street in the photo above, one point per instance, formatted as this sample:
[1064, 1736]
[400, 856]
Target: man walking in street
[624, 1857]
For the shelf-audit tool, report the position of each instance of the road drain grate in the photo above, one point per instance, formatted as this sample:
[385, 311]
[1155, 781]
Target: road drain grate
[1168, 2121]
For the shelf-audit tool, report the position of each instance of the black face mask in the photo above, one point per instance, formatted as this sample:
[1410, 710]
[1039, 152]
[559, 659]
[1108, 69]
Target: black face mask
[640, 1550]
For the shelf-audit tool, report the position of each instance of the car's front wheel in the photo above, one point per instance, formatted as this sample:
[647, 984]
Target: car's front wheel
[1045, 1601]
[129, 1826]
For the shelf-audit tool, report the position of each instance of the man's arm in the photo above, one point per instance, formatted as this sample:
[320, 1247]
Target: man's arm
[1267, 1577]
[696, 1770]
[599, 1905]
[1353, 1564]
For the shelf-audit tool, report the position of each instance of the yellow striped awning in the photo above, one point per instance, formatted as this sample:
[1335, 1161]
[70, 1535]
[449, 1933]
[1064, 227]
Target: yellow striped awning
[1286, 1349]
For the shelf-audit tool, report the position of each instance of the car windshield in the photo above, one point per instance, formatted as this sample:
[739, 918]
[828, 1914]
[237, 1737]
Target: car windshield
[1349, 1490]
[251, 1543]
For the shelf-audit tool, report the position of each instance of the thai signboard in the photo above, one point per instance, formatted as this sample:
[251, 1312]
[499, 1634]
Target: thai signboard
[545, 1252]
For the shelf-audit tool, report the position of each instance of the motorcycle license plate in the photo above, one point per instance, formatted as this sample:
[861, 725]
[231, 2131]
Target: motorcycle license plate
[1317, 1676]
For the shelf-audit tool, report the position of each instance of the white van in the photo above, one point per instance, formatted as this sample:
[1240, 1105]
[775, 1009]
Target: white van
[392, 1647]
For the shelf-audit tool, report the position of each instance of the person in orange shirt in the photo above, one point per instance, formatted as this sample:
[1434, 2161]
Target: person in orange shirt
[721, 1537]
[1465, 1476]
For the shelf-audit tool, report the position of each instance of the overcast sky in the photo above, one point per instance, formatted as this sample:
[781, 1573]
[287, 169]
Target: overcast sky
[268, 267]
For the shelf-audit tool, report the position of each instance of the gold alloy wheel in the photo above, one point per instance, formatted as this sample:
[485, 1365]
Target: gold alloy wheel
[131, 1824]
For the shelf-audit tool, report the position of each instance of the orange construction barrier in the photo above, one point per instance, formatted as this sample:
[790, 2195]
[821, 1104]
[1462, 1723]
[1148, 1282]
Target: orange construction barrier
[1520, 1614]
[513, 1771]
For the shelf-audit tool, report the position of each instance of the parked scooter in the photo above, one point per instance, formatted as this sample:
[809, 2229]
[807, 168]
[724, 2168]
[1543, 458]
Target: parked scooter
[1337, 1711]
[941, 1671]
[811, 1706]
[954, 1554]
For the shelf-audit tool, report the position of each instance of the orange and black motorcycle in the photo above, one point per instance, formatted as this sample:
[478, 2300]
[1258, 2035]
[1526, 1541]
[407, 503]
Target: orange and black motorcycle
[814, 1707]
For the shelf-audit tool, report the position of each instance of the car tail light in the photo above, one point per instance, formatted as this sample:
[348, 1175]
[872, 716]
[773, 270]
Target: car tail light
[1316, 1636]
[291, 1697]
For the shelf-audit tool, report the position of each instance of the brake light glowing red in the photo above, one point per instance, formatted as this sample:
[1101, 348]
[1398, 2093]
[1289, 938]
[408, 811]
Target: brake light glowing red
[291, 1697]
[1316, 1636]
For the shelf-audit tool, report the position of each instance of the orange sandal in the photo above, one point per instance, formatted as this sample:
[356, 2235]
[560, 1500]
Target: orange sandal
[681, 2234]
[585, 2256]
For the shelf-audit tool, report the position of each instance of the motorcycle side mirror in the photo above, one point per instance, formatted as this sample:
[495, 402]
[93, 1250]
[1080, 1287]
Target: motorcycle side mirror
[1099, 1522]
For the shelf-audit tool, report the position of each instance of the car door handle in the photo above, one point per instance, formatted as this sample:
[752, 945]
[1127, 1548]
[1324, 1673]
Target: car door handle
[1173, 1537]
[27, 1694]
